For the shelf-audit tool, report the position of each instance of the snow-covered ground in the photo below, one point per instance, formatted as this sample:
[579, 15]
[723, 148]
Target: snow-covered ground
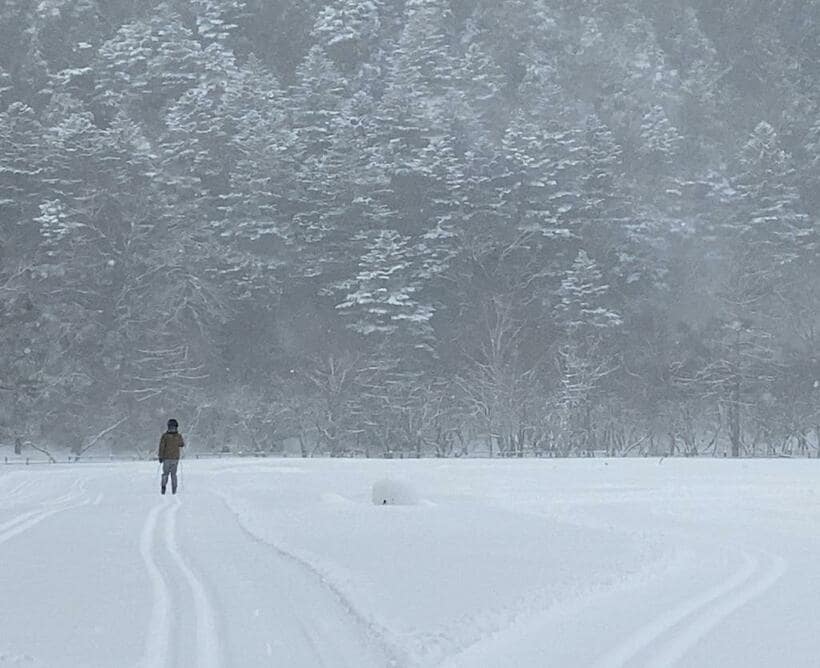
[497, 563]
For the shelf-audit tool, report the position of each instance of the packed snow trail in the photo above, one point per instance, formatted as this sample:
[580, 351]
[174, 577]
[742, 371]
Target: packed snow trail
[608, 564]
[158, 642]
[208, 635]
[180, 598]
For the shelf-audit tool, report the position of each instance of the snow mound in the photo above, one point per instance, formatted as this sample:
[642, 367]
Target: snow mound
[389, 492]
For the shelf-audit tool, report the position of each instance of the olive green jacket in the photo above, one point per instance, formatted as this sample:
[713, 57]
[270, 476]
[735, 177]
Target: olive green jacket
[170, 445]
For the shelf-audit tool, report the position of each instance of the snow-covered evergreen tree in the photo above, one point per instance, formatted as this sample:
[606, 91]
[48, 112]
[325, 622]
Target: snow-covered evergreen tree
[769, 228]
[385, 298]
[660, 141]
[148, 64]
[22, 157]
[348, 30]
[481, 78]
[583, 305]
[217, 21]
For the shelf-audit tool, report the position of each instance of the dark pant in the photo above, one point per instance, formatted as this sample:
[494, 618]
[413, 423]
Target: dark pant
[169, 467]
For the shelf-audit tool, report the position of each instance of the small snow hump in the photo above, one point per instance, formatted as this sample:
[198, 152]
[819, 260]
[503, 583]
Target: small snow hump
[389, 492]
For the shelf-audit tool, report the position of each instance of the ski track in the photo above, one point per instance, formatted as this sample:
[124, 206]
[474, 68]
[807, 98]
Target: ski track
[159, 533]
[76, 489]
[158, 638]
[370, 629]
[17, 520]
[22, 491]
[751, 589]
[688, 623]
[208, 650]
[14, 494]
[32, 518]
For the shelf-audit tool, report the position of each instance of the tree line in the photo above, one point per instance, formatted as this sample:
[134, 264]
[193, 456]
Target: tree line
[412, 228]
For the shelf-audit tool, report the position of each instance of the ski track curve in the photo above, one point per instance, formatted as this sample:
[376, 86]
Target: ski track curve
[675, 650]
[687, 623]
[32, 518]
[158, 638]
[208, 648]
[22, 517]
[14, 494]
[369, 628]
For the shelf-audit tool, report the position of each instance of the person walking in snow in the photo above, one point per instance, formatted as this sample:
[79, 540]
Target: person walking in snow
[170, 450]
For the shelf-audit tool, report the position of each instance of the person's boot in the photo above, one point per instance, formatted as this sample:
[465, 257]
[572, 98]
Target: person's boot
[163, 489]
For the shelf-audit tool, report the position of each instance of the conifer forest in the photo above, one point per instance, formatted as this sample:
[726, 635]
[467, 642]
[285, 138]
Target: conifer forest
[411, 227]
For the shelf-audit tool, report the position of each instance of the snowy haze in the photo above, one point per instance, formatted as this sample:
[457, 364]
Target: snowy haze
[431, 227]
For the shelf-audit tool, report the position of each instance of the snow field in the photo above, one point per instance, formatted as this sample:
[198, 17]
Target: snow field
[599, 563]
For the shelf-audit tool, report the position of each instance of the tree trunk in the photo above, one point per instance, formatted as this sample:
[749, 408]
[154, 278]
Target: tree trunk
[802, 442]
[734, 417]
